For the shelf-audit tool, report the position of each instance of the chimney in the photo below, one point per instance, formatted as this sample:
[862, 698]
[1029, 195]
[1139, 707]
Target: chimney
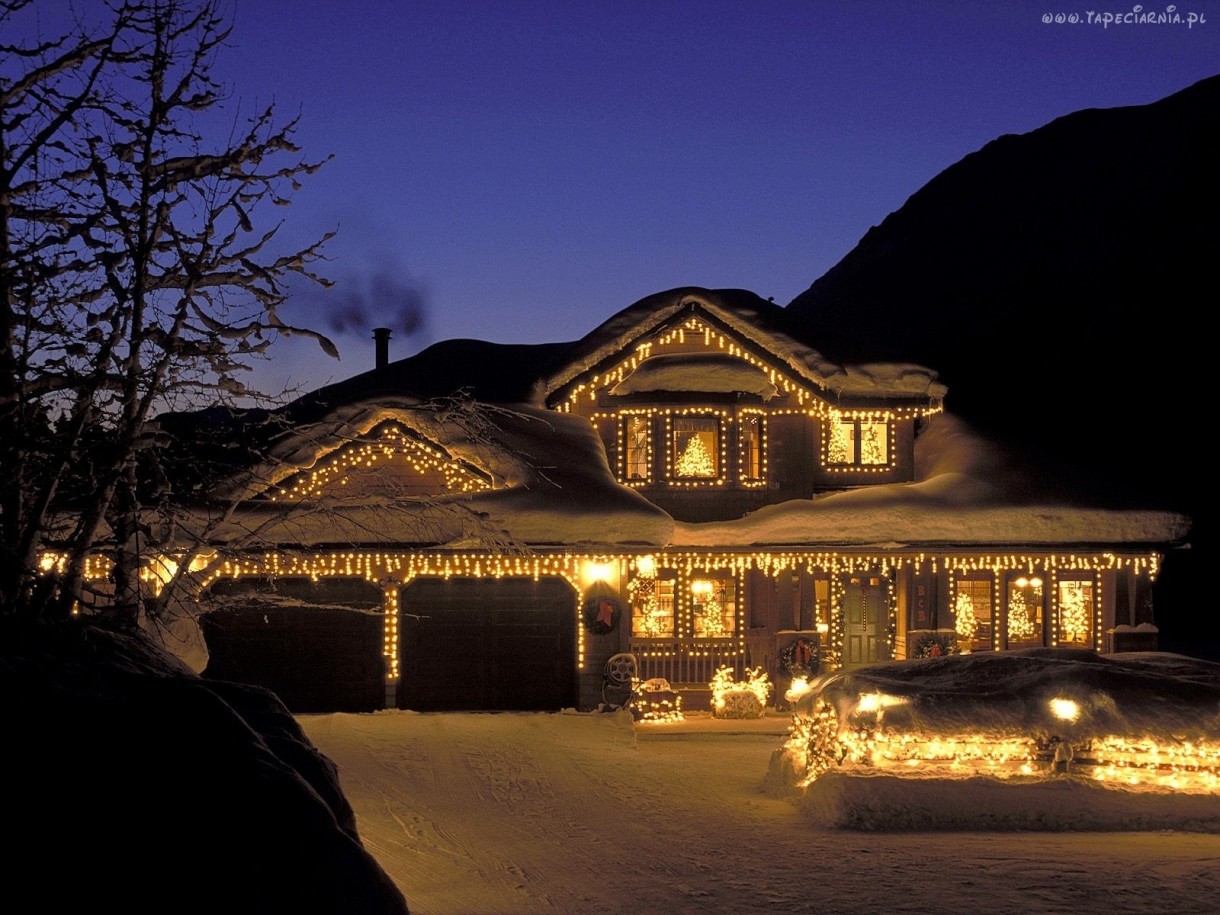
[382, 336]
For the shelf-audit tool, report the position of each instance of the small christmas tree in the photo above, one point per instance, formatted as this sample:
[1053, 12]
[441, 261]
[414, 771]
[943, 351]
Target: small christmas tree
[1073, 612]
[872, 446]
[695, 461]
[712, 614]
[967, 622]
[1020, 619]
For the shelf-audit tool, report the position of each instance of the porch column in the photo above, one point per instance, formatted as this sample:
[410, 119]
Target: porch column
[389, 643]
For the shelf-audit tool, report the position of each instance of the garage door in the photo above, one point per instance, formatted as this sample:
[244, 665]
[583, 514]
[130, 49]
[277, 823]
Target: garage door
[486, 644]
[317, 645]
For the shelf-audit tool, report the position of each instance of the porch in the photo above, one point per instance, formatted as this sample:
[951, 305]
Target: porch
[688, 665]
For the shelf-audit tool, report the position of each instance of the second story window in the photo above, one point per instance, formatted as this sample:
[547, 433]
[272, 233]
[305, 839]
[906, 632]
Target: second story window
[637, 448]
[751, 433]
[857, 441]
[695, 444]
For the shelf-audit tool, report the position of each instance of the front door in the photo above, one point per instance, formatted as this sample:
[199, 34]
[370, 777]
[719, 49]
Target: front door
[864, 619]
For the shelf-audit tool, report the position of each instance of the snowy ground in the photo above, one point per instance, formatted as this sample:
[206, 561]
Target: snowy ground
[593, 813]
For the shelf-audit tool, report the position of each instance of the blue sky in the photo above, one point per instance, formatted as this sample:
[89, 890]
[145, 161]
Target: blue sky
[522, 169]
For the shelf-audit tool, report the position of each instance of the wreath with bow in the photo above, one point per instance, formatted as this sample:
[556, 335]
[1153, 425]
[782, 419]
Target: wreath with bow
[602, 614]
[800, 658]
[935, 645]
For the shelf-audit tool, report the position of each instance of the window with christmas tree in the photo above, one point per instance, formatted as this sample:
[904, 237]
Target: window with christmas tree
[1074, 606]
[1024, 611]
[857, 441]
[972, 612]
[652, 603]
[713, 607]
[696, 447]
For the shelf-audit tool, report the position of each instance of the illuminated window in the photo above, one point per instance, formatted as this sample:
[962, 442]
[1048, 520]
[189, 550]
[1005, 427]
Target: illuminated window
[696, 447]
[637, 448]
[821, 597]
[652, 608]
[860, 442]
[713, 607]
[1074, 605]
[750, 431]
[972, 611]
[1024, 611]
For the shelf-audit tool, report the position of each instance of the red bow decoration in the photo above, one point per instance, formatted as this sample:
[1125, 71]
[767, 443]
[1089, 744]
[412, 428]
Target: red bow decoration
[605, 612]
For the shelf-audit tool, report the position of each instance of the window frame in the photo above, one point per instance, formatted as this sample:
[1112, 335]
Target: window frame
[719, 419]
[744, 459]
[727, 598]
[856, 422]
[664, 594]
[1035, 583]
[625, 419]
[1090, 581]
[977, 642]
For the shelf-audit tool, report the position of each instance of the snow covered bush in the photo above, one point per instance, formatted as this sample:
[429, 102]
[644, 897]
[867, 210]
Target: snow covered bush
[740, 699]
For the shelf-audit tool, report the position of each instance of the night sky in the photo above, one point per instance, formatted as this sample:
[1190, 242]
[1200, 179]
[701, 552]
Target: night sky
[518, 171]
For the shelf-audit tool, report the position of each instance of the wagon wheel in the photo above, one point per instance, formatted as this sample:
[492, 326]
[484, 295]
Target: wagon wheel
[621, 669]
[618, 686]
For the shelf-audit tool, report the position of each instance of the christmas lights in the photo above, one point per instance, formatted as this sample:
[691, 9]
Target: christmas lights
[747, 698]
[390, 443]
[676, 629]
[695, 335]
[819, 741]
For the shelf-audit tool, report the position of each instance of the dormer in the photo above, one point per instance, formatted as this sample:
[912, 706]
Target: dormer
[709, 405]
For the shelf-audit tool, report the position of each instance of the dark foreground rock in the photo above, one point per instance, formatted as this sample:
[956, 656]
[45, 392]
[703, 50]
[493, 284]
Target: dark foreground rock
[134, 786]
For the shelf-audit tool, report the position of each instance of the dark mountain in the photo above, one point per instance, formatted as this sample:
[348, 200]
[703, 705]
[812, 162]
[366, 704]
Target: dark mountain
[1061, 282]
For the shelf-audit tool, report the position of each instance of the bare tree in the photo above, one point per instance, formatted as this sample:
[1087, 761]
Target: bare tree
[132, 274]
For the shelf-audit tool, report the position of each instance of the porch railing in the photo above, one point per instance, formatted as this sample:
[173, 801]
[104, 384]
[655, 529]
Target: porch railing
[687, 662]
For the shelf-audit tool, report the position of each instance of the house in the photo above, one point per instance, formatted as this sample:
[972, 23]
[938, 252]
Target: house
[485, 526]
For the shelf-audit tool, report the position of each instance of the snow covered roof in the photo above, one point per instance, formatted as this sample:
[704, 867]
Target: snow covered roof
[763, 324]
[705, 372]
[551, 485]
[550, 482]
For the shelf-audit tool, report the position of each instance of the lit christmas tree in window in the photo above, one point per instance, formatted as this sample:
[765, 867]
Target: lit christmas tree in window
[650, 621]
[695, 460]
[1073, 611]
[1023, 613]
[709, 606]
[967, 622]
[1020, 626]
[840, 450]
[873, 445]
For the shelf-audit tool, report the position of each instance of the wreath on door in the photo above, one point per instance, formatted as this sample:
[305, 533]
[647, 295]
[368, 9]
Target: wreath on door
[601, 614]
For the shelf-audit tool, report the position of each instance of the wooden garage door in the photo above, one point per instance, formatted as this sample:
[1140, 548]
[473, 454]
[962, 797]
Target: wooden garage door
[486, 644]
[317, 645]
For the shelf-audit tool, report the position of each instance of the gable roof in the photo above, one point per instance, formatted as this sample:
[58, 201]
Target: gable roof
[763, 326]
[550, 483]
